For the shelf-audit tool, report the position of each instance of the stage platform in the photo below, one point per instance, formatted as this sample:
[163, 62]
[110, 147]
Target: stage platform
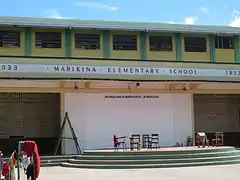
[146, 158]
[163, 149]
[154, 158]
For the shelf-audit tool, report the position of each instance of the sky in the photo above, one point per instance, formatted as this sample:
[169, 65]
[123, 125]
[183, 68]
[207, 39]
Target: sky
[200, 12]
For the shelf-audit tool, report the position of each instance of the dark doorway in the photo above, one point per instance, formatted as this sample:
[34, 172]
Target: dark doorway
[218, 113]
[34, 116]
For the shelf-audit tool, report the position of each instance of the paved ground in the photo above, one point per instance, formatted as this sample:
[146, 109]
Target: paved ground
[229, 172]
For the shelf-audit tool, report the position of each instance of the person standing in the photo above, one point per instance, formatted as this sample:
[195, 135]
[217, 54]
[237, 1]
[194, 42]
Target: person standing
[1, 163]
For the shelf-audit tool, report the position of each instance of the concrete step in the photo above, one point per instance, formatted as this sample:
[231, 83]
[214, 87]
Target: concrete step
[155, 161]
[158, 156]
[51, 164]
[161, 151]
[136, 166]
[50, 161]
[54, 160]
[59, 157]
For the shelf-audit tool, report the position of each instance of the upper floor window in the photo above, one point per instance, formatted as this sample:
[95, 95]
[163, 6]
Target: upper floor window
[87, 41]
[195, 44]
[224, 42]
[124, 42]
[48, 40]
[10, 39]
[160, 43]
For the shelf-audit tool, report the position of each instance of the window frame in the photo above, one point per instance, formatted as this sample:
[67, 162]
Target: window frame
[163, 41]
[78, 41]
[123, 42]
[222, 44]
[45, 43]
[195, 47]
[10, 42]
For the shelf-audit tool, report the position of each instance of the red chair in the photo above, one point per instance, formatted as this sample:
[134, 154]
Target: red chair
[118, 141]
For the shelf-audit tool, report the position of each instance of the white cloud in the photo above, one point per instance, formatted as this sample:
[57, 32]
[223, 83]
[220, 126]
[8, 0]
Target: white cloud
[52, 13]
[171, 22]
[96, 5]
[190, 20]
[204, 10]
[236, 20]
[236, 12]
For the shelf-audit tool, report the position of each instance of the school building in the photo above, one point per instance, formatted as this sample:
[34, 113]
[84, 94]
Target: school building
[116, 78]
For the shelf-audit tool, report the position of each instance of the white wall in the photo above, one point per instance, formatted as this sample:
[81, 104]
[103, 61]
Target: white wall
[96, 119]
[183, 115]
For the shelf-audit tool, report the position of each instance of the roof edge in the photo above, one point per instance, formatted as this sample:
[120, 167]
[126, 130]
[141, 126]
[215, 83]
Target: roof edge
[116, 25]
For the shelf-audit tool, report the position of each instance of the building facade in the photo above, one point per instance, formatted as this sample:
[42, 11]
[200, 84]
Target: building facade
[116, 77]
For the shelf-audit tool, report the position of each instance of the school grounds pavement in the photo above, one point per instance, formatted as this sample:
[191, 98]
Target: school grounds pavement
[223, 172]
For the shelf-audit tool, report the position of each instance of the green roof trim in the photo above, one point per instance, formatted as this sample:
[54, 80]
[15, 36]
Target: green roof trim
[116, 25]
